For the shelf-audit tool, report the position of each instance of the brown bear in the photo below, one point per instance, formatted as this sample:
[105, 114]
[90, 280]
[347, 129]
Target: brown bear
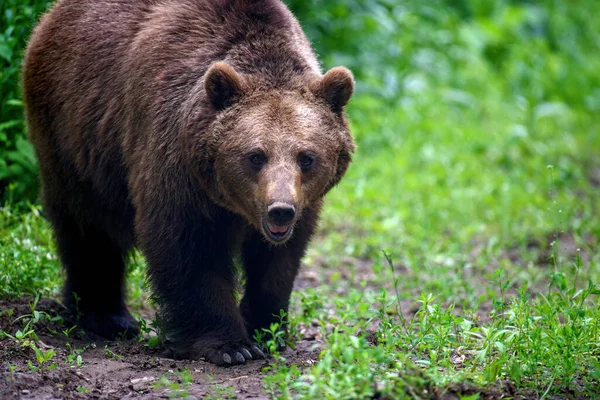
[201, 131]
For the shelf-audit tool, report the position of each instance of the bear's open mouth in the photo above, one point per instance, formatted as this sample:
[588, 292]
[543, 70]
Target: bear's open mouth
[277, 233]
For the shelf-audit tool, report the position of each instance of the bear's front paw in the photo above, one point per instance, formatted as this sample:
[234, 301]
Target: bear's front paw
[228, 353]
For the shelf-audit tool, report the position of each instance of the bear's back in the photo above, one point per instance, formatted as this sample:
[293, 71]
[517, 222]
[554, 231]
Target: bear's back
[92, 64]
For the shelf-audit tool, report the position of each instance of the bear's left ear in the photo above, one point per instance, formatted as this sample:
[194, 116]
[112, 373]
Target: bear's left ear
[335, 87]
[223, 85]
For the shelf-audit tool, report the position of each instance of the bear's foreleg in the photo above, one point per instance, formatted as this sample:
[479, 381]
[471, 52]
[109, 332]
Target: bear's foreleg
[270, 274]
[192, 274]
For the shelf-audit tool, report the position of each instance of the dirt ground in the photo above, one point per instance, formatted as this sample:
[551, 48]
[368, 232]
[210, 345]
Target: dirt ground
[131, 369]
[135, 374]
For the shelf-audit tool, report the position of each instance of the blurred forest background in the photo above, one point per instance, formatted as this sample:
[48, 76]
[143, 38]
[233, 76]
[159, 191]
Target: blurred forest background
[539, 57]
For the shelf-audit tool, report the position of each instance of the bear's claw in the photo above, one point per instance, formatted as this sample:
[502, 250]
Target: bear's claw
[233, 354]
[247, 354]
[239, 358]
[258, 352]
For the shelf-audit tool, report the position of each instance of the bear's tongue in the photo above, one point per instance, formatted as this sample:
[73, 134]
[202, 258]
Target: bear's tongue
[277, 229]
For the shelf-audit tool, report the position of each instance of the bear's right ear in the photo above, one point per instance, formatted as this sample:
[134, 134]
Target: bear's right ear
[223, 85]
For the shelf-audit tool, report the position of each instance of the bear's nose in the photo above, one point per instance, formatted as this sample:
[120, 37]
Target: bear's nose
[281, 213]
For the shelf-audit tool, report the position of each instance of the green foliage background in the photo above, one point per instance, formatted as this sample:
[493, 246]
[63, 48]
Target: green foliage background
[18, 167]
[523, 52]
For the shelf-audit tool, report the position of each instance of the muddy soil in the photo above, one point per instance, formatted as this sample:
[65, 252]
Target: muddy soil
[131, 369]
[85, 366]
[125, 369]
[118, 369]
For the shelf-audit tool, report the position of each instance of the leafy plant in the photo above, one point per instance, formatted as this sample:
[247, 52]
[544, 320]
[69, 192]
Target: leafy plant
[175, 385]
[18, 166]
[27, 336]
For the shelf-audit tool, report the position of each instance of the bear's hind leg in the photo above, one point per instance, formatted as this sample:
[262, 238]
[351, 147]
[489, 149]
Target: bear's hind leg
[95, 269]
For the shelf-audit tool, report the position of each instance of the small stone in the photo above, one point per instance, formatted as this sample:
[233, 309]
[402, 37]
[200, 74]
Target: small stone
[140, 384]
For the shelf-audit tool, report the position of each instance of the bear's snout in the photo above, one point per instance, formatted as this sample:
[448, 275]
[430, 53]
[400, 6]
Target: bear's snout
[278, 223]
[281, 213]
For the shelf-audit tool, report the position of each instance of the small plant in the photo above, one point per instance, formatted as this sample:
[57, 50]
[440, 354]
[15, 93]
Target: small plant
[500, 304]
[83, 389]
[44, 356]
[176, 385]
[11, 368]
[78, 313]
[68, 331]
[155, 336]
[27, 337]
[32, 367]
[274, 339]
[218, 392]
[110, 354]
[311, 304]
[74, 357]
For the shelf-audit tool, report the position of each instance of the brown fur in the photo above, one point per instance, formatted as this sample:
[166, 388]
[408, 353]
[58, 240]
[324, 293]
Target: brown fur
[185, 128]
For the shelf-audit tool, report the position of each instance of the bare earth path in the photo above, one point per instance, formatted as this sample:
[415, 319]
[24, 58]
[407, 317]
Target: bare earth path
[118, 369]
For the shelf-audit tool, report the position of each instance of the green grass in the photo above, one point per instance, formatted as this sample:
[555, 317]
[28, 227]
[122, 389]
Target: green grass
[478, 133]
[28, 261]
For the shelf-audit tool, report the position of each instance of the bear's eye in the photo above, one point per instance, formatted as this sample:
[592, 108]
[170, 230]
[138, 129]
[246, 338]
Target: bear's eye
[306, 161]
[257, 160]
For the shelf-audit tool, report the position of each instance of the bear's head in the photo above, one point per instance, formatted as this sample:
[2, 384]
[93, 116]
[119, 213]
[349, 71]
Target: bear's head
[269, 154]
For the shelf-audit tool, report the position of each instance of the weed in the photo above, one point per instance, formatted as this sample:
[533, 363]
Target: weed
[11, 368]
[74, 358]
[68, 331]
[175, 385]
[218, 391]
[110, 354]
[27, 337]
[274, 339]
[83, 389]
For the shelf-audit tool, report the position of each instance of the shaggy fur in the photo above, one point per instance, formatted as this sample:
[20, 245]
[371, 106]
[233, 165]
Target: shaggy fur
[196, 130]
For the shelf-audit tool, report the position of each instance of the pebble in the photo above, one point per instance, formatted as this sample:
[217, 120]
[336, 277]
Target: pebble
[142, 383]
